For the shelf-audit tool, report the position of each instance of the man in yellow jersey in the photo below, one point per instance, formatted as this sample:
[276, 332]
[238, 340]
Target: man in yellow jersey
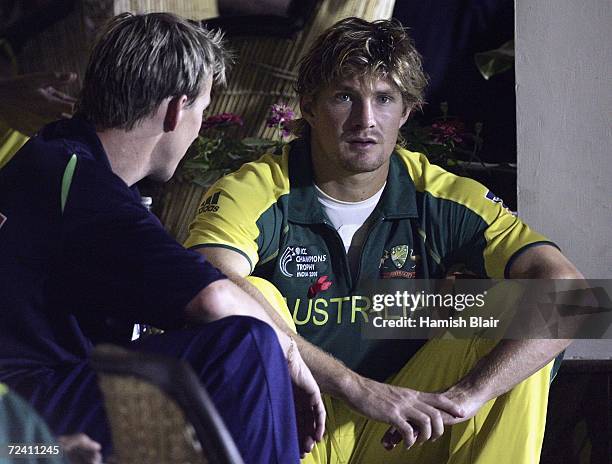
[343, 204]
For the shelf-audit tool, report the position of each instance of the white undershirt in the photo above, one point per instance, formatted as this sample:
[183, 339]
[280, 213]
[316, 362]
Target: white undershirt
[350, 221]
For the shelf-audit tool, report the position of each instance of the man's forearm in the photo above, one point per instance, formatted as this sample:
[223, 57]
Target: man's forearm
[333, 377]
[224, 298]
[512, 361]
[509, 363]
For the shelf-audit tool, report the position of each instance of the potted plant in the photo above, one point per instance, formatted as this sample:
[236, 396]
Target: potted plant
[216, 152]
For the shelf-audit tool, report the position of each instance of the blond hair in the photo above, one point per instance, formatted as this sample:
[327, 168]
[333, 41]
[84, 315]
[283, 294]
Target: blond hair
[356, 47]
[140, 60]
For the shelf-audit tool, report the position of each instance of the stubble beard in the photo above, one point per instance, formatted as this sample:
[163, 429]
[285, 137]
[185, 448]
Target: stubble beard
[357, 163]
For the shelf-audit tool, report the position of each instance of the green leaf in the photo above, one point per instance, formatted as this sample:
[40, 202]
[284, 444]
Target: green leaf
[196, 164]
[257, 142]
[235, 156]
[208, 178]
[496, 61]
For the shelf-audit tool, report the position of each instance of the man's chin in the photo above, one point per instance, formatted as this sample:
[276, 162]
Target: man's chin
[363, 162]
[161, 176]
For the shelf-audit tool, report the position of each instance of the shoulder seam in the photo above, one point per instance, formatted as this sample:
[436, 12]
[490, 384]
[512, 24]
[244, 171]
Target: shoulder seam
[443, 194]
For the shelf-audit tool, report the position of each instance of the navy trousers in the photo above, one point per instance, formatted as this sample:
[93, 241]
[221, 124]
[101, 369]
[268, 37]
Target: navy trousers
[239, 362]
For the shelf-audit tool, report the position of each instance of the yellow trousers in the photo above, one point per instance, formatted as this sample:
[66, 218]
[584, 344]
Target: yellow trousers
[507, 430]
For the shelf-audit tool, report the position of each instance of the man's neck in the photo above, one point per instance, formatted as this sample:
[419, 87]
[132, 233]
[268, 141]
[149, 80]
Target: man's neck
[129, 153]
[347, 186]
[352, 188]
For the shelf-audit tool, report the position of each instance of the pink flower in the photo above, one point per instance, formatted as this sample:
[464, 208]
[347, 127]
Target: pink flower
[445, 131]
[221, 120]
[280, 115]
[285, 128]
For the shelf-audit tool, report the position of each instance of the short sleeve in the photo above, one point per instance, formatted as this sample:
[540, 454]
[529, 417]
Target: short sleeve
[465, 223]
[506, 236]
[117, 259]
[481, 232]
[238, 210]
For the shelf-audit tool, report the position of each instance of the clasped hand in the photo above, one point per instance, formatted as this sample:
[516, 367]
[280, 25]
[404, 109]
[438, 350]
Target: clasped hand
[414, 416]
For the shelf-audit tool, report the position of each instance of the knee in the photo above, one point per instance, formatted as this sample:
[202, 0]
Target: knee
[252, 345]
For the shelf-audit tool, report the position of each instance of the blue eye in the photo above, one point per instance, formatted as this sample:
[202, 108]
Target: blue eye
[344, 97]
[385, 99]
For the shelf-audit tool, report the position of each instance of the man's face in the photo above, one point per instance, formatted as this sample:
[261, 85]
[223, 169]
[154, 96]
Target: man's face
[186, 131]
[354, 123]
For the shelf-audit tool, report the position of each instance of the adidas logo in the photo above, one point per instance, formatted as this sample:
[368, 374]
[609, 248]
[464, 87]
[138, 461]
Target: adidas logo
[211, 204]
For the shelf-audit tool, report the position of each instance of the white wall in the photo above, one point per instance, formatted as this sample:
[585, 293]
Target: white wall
[564, 129]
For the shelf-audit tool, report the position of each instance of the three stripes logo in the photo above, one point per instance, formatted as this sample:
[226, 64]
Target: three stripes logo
[211, 204]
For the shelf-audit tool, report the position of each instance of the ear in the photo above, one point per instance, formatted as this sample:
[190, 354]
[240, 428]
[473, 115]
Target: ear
[404, 118]
[306, 108]
[174, 112]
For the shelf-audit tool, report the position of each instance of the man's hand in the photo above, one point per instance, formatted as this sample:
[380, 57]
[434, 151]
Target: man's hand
[80, 449]
[414, 416]
[223, 298]
[30, 101]
[468, 404]
[309, 408]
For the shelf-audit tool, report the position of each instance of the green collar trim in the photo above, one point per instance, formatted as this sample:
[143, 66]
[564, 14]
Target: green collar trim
[304, 208]
[398, 199]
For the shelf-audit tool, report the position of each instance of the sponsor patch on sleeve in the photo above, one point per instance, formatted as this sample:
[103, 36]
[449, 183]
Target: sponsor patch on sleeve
[495, 199]
[211, 204]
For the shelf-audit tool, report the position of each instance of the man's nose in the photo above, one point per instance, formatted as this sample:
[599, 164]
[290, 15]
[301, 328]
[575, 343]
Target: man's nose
[363, 114]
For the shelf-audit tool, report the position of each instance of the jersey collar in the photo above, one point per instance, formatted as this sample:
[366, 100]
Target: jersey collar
[80, 135]
[397, 201]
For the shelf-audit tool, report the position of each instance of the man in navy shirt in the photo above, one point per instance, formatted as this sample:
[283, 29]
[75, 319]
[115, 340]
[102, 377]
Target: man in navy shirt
[77, 244]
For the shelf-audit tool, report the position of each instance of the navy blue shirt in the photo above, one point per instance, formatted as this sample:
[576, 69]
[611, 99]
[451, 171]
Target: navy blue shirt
[95, 253]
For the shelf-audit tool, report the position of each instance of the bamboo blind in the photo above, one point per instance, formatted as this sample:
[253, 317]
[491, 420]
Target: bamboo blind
[192, 9]
[65, 45]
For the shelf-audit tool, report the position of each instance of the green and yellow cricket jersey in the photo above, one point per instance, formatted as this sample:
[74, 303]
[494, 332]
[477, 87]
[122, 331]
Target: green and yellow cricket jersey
[427, 223]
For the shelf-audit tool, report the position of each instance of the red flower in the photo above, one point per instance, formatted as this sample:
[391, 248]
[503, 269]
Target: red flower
[221, 120]
[320, 285]
[445, 131]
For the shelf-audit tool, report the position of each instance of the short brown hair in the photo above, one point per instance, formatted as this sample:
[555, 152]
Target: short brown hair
[139, 60]
[354, 46]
